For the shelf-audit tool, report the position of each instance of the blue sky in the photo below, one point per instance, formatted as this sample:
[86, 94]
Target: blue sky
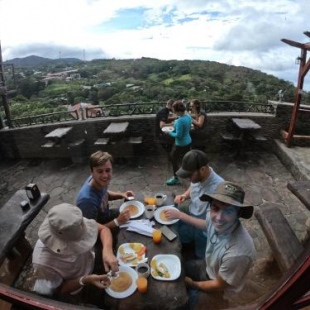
[236, 32]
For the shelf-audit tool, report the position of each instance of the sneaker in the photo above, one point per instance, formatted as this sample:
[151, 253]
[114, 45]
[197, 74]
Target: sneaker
[173, 181]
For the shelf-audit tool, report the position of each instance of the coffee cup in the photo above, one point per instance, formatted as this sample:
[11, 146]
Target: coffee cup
[149, 211]
[160, 199]
[143, 270]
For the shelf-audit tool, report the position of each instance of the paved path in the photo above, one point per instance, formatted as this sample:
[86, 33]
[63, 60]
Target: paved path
[263, 177]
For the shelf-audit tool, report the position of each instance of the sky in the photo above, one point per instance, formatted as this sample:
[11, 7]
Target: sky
[235, 32]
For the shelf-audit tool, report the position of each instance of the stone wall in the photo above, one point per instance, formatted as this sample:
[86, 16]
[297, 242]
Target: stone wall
[26, 142]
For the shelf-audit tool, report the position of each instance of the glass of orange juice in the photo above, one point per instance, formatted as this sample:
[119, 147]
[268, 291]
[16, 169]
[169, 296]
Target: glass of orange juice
[156, 235]
[149, 199]
[142, 284]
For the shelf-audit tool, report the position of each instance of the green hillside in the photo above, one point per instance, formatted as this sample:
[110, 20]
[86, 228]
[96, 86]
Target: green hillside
[111, 81]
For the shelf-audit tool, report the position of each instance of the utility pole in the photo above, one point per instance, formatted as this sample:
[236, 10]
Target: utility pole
[3, 93]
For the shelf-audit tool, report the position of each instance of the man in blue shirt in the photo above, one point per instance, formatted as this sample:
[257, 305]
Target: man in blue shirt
[94, 196]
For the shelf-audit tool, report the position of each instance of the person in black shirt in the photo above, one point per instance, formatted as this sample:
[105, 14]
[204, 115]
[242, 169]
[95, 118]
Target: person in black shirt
[163, 119]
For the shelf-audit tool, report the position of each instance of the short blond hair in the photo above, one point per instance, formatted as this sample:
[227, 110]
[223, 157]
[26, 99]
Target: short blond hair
[99, 158]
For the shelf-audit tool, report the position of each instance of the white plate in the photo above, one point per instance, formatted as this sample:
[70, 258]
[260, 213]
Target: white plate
[173, 264]
[167, 129]
[132, 287]
[128, 249]
[161, 209]
[136, 203]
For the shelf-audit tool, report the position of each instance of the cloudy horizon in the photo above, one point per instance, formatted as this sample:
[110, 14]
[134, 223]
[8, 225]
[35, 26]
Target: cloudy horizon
[239, 33]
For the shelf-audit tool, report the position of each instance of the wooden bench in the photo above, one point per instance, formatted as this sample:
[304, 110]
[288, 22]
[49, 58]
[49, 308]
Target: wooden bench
[102, 141]
[49, 144]
[14, 220]
[132, 140]
[230, 137]
[258, 137]
[285, 245]
[301, 189]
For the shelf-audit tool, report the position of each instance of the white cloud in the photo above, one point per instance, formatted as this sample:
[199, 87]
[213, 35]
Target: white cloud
[246, 33]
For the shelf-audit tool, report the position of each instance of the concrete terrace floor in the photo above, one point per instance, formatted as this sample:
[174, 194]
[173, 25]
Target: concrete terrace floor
[262, 175]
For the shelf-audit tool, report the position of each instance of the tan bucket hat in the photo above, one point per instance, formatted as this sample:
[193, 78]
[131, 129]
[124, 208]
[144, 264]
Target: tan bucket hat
[232, 194]
[65, 231]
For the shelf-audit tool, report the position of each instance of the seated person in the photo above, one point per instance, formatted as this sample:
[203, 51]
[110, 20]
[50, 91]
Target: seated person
[204, 180]
[63, 257]
[94, 196]
[199, 120]
[230, 250]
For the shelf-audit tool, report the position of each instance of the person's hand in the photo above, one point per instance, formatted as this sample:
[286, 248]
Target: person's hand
[189, 282]
[123, 217]
[172, 214]
[110, 262]
[128, 194]
[100, 281]
[179, 199]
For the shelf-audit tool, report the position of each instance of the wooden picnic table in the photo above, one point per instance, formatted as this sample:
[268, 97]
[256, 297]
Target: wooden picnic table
[301, 189]
[160, 294]
[246, 131]
[14, 220]
[116, 128]
[245, 124]
[58, 133]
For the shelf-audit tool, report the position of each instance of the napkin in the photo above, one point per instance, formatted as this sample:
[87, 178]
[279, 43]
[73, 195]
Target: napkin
[143, 227]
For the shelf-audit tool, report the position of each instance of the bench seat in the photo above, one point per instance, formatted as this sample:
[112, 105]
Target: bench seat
[230, 137]
[49, 144]
[285, 245]
[259, 138]
[134, 140]
[102, 141]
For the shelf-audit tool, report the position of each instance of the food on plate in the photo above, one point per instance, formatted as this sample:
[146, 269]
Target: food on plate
[159, 270]
[132, 257]
[163, 217]
[133, 210]
[121, 283]
[136, 246]
[127, 257]
[142, 251]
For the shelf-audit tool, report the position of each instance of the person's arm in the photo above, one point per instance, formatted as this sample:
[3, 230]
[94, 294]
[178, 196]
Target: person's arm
[69, 286]
[199, 122]
[217, 284]
[176, 214]
[178, 130]
[120, 195]
[182, 197]
[108, 257]
[162, 123]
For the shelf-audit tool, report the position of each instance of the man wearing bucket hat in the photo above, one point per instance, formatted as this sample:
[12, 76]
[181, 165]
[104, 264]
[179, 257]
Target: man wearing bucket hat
[63, 257]
[230, 251]
[204, 180]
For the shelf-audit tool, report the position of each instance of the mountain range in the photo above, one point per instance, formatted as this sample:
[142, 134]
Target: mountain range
[35, 61]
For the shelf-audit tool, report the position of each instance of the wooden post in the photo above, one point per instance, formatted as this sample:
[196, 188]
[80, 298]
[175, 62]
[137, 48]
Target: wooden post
[303, 70]
[297, 100]
[3, 93]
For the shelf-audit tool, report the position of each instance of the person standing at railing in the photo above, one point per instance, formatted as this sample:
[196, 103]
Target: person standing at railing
[199, 120]
[182, 139]
[163, 118]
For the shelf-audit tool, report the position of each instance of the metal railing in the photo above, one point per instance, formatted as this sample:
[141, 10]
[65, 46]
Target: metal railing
[45, 118]
[138, 109]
